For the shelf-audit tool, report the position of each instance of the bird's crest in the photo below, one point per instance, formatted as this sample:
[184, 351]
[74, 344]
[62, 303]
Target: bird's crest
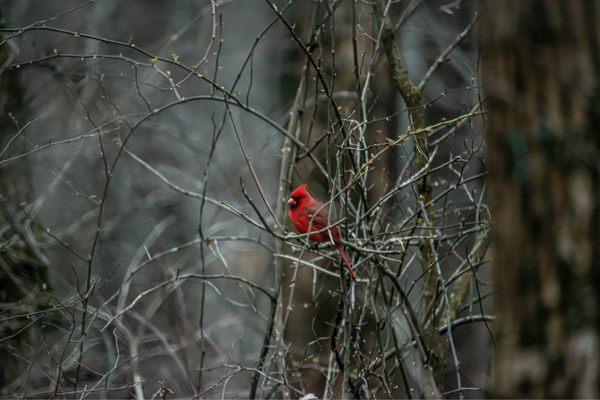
[300, 191]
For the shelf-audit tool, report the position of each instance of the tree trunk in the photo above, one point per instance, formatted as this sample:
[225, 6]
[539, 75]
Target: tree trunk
[541, 66]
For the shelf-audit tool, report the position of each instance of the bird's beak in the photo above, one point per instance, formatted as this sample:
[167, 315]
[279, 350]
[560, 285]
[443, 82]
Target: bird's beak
[291, 201]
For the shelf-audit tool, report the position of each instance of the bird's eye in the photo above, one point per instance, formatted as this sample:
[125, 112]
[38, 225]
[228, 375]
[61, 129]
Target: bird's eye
[293, 203]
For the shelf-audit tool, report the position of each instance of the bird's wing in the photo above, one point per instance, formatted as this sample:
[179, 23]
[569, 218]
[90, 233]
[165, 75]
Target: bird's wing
[318, 215]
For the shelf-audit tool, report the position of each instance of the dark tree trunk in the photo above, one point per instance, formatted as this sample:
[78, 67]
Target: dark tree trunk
[541, 74]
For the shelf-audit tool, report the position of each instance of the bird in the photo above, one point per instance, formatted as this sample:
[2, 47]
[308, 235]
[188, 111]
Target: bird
[308, 214]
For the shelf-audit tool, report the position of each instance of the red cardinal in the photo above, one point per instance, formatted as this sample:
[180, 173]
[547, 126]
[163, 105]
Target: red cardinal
[306, 213]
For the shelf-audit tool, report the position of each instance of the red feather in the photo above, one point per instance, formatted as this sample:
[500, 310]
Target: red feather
[310, 215]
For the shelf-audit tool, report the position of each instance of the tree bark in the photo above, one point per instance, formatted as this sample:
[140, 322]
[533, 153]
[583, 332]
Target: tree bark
[541, 61]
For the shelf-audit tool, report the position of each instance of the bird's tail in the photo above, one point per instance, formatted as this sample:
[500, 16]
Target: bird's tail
[345, 259]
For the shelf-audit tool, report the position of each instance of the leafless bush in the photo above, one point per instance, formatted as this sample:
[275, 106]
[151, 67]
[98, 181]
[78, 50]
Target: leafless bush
[147, 154]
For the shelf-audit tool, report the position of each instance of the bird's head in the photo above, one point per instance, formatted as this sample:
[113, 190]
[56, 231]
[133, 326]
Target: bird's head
[298, 195]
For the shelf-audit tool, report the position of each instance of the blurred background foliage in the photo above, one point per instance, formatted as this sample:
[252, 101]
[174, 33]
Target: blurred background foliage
[146, 152]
